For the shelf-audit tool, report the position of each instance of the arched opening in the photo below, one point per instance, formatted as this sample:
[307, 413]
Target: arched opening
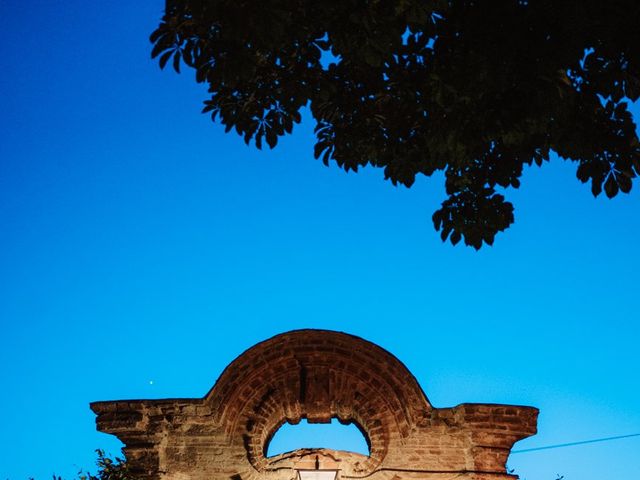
[334, 435]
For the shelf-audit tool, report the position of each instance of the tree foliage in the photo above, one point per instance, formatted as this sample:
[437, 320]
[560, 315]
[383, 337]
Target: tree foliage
[108, 469]
[474, 88]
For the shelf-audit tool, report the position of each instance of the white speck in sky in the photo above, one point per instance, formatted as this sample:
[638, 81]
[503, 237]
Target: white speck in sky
[150, 382]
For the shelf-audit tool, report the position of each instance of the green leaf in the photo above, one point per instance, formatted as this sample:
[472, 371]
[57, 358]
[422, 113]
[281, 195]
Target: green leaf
[596, 187]
[611, 186]
[176, 61]
[165, 58]
[272, 139]
[624, 182]
[157, 48]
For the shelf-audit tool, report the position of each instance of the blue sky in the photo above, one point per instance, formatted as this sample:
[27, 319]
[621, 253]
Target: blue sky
[142, 250]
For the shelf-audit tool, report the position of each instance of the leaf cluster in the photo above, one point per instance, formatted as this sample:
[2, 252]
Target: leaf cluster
[477, 89]
[108, 469]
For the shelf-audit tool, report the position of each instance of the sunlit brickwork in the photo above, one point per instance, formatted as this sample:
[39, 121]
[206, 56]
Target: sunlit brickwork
[317, 375]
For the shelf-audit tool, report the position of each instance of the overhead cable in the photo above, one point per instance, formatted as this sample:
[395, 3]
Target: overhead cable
[571, 444]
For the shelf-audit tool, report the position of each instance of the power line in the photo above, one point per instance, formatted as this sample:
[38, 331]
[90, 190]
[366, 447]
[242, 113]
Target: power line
[571, 444]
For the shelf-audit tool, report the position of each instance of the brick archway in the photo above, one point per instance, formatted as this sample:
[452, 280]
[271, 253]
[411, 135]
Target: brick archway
[317, 375]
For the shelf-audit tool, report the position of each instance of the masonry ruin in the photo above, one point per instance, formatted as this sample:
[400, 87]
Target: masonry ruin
[315, 375]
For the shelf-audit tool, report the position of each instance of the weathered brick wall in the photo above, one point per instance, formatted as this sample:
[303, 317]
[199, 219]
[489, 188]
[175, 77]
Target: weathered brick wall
[317, 375]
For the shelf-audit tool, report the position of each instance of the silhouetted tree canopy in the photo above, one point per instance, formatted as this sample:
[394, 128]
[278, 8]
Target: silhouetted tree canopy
[477, 88]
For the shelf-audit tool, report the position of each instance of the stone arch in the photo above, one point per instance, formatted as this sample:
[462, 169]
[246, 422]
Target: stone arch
[317, 375]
